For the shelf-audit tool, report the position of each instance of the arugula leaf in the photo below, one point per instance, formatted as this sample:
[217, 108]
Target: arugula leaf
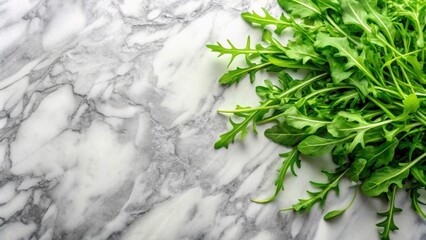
[344, 50]
[415, 202]
[297, 120]
[234, 76]
[285, 135]
[411, 104]
[300, 8]
[280, 24]
[306, 204]
[335, 213]
[380, 181]
[356, 168]
[240, 127]
[318, 146]
[303, 53]
[384, 22]
[419, 174]
[354, 13]
[325, 5]
[388, 224]
[290, 159]
[378, 156]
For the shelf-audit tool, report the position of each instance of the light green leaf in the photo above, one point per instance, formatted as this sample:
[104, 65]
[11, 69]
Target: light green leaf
[411, 104]
[325, 5]
[303, 53]
[354, 13]
[383, 21]
[297, 120]
[234, 76]
[280, 24]
[300, 8]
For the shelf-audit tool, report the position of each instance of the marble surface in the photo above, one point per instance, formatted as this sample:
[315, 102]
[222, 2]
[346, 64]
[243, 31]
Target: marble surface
[107, 124]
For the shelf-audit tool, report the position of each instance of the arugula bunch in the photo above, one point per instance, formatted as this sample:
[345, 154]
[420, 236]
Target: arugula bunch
[362, 99]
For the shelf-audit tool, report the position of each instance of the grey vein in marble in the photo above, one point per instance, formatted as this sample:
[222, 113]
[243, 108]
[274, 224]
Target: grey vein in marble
[107, 122]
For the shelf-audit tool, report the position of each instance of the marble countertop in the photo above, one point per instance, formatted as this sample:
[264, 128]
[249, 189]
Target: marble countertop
[107, 125]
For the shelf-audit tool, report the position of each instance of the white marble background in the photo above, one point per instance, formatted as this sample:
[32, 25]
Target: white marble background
[107, 124]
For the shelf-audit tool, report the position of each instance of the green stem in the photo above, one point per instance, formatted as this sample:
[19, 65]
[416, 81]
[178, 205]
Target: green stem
[270, 119]
[331, 21]
[380, 105]
[247, 110]
[302, 85]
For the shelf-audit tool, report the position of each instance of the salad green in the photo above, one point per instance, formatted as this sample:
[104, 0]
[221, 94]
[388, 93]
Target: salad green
[362, 100]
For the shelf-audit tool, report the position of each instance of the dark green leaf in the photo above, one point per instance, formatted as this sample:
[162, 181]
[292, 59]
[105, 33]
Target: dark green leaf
[378, 156]
[285, 135]
[356, 168]
[419, 174]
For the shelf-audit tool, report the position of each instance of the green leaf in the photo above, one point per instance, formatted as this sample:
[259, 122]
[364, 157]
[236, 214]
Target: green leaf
[290, 64]
[234, 76]
[280, 24]
[241, 127]
[318, 146]
[356, 168]
[300, 8]
[297, 120]
[342, 127]
[346, 124]
[303, 53]
[232, 50]
[415, 202]
[344, 50]
[380, 180]
[388, 223]
[419, 174]
[285, 135]
[306, 204]
[335, 213]
[354, 13]
[378, 156]
[362, 99]
[332, 214]
[339, 72]
[411, 104]
[325, 5]
[383, 21]
[290, 159]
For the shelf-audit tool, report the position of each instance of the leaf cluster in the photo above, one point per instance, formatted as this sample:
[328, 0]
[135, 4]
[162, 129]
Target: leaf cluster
[362, 100]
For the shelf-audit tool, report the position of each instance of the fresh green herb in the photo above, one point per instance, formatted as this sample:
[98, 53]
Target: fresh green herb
[361, 101]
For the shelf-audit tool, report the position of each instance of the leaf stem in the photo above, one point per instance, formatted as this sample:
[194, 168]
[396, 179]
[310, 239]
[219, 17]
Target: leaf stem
[247, 109]
[380, 105]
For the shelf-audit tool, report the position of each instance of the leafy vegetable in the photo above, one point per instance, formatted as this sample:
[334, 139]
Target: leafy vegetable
[361, 101]
[335, 213]
[388, 224]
